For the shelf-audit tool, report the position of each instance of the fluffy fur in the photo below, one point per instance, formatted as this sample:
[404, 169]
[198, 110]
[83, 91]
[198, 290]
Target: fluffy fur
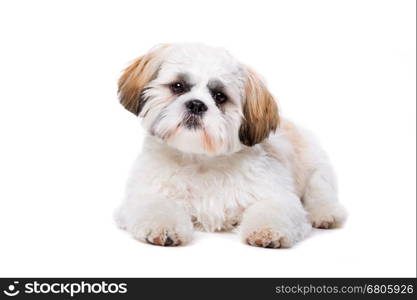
[228, 163]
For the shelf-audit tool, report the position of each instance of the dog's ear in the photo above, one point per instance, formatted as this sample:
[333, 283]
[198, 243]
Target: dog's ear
[260, 111]
[136, 76]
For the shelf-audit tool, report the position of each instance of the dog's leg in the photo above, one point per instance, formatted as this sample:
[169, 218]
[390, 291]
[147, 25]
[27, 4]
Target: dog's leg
[156, 221]
[320, 199]
[275, 223]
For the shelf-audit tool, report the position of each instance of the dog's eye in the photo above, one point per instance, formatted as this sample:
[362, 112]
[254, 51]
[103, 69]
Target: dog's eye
[178, 88]
[219, 97]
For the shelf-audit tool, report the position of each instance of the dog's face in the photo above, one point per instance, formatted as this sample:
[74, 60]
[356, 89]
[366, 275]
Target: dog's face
[198, 99]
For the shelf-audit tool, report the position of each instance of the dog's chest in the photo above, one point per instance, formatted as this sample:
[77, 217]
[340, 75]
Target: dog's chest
[215, 197]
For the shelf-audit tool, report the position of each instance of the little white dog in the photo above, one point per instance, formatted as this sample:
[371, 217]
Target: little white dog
[217, 156]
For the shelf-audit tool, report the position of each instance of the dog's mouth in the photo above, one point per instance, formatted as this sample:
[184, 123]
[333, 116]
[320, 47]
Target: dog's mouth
[192, 121]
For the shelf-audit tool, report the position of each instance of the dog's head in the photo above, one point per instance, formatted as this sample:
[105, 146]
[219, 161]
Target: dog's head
[198, 99]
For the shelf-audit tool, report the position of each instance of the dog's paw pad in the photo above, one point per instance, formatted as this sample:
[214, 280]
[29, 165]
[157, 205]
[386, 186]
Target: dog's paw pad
[163, 237]
[266, 238]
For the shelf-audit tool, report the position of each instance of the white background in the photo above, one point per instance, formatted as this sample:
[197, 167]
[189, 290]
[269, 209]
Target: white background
[344, 69]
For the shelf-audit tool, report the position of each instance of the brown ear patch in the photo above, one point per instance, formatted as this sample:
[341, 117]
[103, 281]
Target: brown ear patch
[260, 111]
[135, 78]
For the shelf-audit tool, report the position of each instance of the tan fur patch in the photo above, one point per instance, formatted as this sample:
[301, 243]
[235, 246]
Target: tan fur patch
[208, 142]
[299, 161]
[274, 153]
[260, 111]
[296, 160]
[171, 134]
[136, 76]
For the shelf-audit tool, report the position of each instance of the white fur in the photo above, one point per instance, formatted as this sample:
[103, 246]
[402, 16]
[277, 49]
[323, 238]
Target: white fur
[176, 184]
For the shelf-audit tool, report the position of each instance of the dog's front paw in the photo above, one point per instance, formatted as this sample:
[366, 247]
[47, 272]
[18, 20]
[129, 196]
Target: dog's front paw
[164, 237]
[163, 231]
[158, 222]
[274, 224]
[267, 238]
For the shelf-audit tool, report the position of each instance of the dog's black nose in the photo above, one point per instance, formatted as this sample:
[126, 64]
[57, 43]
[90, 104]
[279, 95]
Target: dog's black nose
[196, 107]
